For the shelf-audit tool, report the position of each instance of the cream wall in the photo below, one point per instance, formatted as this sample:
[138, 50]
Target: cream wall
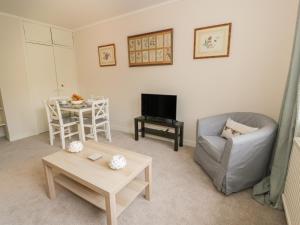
[13, 79]
[251, 79]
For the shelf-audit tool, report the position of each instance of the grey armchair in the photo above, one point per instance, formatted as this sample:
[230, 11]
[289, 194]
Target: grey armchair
[240, 162]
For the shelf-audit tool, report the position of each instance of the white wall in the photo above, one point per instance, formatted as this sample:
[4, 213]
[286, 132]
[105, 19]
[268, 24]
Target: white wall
[13, 80]
[251, 79]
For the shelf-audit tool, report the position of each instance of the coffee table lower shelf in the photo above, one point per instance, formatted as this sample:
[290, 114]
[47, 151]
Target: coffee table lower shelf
[123, 198]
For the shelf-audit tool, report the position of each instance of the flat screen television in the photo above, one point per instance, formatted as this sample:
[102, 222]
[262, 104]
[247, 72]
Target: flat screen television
[159, 106]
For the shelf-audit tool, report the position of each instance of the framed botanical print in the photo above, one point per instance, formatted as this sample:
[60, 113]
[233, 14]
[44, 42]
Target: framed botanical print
[148, 49]
[212, 41]
[107, 55]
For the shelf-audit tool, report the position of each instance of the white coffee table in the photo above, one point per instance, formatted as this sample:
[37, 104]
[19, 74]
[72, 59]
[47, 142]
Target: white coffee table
[110, 190]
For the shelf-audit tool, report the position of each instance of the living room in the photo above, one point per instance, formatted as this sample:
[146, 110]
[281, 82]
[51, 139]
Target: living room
[247, 86]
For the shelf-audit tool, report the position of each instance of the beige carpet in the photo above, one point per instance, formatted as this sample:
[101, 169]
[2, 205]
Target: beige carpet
[182, 192]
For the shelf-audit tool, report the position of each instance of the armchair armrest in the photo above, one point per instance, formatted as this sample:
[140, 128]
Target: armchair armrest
[241, 150]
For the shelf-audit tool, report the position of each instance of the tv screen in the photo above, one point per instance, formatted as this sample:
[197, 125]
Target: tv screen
[159, 106]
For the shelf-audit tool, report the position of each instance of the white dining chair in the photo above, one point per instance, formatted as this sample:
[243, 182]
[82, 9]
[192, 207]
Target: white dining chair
[59, 98]
[96, 97]
[59, 124]
[62, 99]
[99, 121]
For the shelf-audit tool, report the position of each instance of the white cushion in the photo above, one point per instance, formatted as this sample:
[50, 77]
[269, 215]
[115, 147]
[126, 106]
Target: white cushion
[233, 128]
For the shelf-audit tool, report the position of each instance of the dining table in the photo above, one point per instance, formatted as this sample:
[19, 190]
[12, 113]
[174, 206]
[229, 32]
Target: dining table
[79, 109]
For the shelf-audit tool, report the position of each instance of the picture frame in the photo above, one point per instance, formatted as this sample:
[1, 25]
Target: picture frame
[107, 55]
[151, 49]
[212, 41]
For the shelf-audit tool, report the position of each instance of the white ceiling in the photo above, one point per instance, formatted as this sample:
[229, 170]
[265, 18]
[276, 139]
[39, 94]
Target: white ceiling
[73, 13]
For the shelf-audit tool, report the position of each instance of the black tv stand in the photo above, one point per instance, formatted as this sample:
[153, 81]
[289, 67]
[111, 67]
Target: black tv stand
[177, 125]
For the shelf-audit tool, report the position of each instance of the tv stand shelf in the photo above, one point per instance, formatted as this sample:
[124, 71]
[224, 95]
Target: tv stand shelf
[177, 125]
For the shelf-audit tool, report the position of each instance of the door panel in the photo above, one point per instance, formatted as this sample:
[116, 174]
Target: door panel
[65, 70]
[37, 33]
[62, 37]
[42, 80]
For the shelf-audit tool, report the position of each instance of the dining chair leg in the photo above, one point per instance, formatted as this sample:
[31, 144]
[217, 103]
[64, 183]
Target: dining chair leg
[105, 130]
[81, 126]
[51, 135]
[62, 137]
[95, 133]
[108, 131]
[69, 131]
[79, 132]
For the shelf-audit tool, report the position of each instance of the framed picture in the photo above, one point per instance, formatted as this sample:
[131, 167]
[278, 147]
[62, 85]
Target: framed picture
[212, 41]
[149, 49]
[107, 55]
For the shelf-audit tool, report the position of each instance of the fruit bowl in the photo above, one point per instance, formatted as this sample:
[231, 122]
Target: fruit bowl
[76, 99]
[77, 102]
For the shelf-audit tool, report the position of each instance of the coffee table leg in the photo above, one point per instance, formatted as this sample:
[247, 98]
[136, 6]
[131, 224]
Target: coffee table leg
[148, 178]
[50, 181]
[111, 210]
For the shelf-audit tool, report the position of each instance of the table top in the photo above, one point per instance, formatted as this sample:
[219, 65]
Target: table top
[97, 174]
[75, 108]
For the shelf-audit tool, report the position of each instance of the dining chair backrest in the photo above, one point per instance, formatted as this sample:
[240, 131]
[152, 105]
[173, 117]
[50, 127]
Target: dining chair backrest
[96, 97]
[53, 111]
[59, 98]
[100, 109]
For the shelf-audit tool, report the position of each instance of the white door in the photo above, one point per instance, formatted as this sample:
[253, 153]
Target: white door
[42, 80]
[65, 70]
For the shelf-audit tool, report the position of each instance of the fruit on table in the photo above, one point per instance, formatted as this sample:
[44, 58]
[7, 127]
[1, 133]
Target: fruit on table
[76, 97]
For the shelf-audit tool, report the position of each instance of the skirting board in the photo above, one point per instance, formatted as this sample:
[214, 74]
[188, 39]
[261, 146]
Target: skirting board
[128, 130]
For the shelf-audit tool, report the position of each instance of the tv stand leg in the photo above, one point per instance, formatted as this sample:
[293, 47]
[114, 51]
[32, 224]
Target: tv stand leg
[181, 137]
[176, 139]
[143, 128]
[136, 130]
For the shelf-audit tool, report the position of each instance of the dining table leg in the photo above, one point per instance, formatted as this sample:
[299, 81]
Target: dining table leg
[82, 133]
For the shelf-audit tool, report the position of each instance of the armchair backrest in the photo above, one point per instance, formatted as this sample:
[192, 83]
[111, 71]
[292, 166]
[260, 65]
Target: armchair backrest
[252, 119]
[213, 125]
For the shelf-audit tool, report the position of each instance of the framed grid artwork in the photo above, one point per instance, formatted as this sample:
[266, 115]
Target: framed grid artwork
[150, 49]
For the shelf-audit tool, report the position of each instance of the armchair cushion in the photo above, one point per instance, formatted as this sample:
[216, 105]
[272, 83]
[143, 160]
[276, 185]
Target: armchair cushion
[233, 128]
[213, 146]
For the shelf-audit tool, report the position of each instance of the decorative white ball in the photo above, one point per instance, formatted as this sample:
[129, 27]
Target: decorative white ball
[117, 162]
[75, 146]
